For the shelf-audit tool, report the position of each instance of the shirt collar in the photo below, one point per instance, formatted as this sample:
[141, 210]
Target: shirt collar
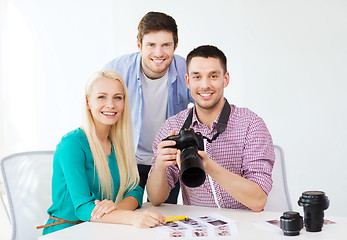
[195, 120]
[172, 71]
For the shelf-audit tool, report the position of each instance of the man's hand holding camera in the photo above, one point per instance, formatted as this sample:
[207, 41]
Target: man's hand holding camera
[166, 155]
[205, 159]
[189, 142]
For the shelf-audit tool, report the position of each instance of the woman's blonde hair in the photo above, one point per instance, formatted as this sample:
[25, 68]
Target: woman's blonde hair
[121, 138]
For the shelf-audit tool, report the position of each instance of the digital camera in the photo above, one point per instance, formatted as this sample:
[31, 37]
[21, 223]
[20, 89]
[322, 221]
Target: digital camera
[192, 169]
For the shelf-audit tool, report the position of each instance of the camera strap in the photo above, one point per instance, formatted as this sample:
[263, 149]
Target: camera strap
[221, 124]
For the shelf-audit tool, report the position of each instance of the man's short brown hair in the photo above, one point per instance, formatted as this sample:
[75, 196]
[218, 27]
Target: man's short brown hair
[156, 21]
[207, 51]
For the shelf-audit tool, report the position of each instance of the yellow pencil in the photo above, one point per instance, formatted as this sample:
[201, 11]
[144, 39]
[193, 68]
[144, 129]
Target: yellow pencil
[176, 218]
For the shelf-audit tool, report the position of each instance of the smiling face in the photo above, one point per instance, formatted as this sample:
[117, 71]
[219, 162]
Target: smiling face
[157, 50]
[106, 101]
[206, 80]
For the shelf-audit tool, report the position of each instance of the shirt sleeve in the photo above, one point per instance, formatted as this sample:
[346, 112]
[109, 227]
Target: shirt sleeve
[72, 158]
[173, 171]
[136, 193]
[258, 155]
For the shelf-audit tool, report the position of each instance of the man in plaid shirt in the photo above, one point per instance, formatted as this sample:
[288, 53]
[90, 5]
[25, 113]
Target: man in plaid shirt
[238, 161]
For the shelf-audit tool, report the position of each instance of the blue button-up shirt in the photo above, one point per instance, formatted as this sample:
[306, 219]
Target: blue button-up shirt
[129, 67]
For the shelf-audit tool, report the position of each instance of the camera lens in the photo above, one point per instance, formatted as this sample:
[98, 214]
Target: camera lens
[291, 223]
[314, 203]
[192, 169]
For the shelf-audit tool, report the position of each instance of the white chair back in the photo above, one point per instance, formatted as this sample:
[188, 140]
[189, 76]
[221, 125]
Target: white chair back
[278, 198]
[27, 180]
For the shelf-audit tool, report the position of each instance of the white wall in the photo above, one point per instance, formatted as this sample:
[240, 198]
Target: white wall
[287, 61]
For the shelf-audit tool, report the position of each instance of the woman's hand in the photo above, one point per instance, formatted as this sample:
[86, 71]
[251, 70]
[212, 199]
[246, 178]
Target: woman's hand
[103, 207]
[147, 219]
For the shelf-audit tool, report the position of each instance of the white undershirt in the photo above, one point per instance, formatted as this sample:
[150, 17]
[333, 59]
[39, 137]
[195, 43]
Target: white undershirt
[155, 97]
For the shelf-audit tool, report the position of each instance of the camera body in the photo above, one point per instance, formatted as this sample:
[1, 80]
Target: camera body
[192, 169]
[187, 138]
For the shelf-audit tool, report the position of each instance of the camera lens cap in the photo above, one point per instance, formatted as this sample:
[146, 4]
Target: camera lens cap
[291, 223]
[311, 198]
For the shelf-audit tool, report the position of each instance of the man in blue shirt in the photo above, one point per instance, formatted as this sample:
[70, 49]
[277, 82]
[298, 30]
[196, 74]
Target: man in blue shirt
[156, 85]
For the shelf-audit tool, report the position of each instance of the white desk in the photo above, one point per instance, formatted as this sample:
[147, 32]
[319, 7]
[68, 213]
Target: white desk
[250, 226]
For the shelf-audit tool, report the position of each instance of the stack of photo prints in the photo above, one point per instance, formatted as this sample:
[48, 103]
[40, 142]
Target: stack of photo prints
[204, 227]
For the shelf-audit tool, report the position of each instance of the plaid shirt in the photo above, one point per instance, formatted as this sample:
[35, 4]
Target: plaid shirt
[244, 148]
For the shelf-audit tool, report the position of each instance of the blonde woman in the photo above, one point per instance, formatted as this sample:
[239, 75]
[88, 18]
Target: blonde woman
[95, 177]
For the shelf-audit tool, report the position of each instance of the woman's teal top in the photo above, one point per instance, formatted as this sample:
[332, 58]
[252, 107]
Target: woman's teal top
[75, 182]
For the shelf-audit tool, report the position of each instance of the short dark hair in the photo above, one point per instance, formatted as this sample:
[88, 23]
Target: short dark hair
[156, 21]
[207, 51]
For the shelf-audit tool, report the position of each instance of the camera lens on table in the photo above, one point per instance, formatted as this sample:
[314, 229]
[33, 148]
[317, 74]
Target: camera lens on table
[314, 203]
[291, 223]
